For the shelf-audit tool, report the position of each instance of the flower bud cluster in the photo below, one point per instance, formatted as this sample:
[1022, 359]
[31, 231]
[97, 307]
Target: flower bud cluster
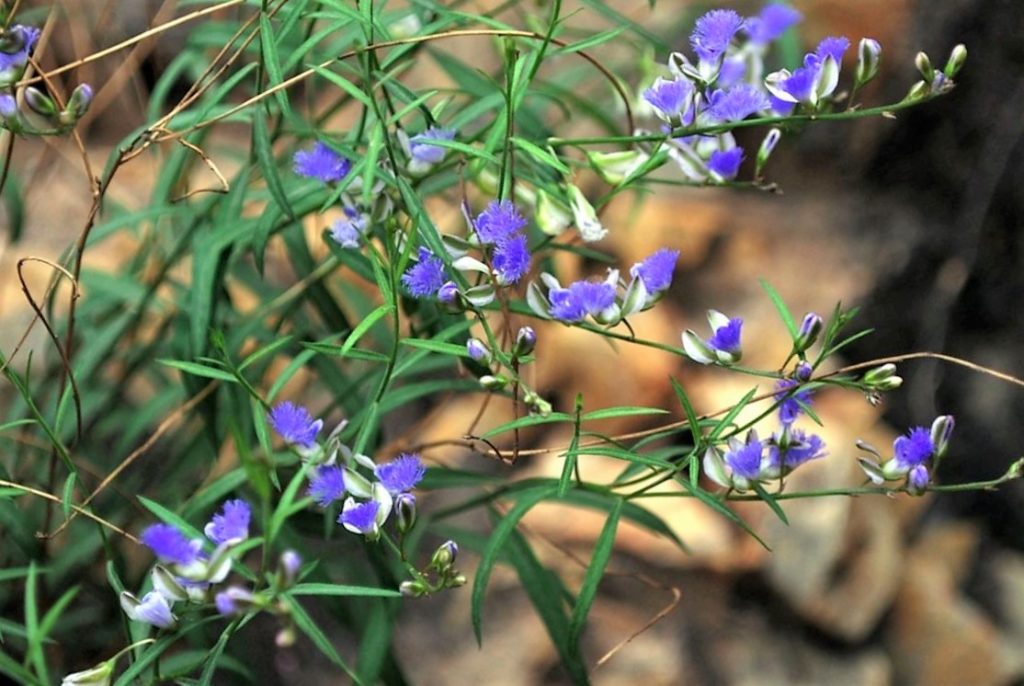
[439, 575]
[915, 456]
[41, 114]
[187, 570]
[609, 301]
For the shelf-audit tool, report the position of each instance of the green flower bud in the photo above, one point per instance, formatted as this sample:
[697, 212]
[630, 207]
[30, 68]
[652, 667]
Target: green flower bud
[869, 54]
[924, 67]
[39, 102]
[444, 557]
[493, 382]
[96, 676]
[414, 588]
[956, 60]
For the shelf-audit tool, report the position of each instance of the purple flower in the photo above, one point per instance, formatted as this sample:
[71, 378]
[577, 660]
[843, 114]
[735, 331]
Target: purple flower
[726, 338]
[499, 220]
[671, 99]
[780, 107]
[737, 103]
[656, 270]
[152, 609]
[291, 561]
[913, 449]
[425, 278]
[423, 151]
[23, 39]
[724, 345]
[790, 404]
[359, 518]
[713, 32]
[225, 604]
[321, 163]
[448, 292]
[726, 163]
[477, 350]
[732, 71]
[511, 259]
[232, 524]
[812, 81]
[294, 424]
[233, 600]
[8, 106]
[581, 298]
[771, 22]
[800, 448]
[170, 545]
[348, 230]
[801, 83]
[918, 479]
[401, 474]
[834, 47]
[327, 485]
[745, 459]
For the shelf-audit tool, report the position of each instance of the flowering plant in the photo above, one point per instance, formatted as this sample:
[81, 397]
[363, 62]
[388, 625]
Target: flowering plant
[383, 249]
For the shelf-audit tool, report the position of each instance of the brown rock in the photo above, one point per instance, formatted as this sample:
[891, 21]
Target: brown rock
[935, 635]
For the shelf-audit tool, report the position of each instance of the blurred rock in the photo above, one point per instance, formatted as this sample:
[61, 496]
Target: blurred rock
[935, 635]
[1006, 570]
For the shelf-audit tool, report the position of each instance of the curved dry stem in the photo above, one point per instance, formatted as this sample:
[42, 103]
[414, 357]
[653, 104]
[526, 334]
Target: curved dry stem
[164, 427]
[415, 40]
[82, 511]
[106, 52]
[37, 308]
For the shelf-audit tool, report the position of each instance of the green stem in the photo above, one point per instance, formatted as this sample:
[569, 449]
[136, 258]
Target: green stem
[881, 110]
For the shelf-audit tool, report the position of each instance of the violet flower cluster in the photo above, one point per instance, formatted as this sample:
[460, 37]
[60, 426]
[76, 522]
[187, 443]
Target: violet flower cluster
[610, 300]
[322, 163]
[186, 569]
[753, 461]
[915, 456]
[423, 152]
[498, 235]
[724, 83]
[370, 492]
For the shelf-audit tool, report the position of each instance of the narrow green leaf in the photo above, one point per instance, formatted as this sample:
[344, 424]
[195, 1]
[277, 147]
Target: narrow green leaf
[197, 369]
[436, 346]
[571, 455]
[364, 326]
[268, 165]
[168, 517]
[540, 154]
[544, 589]
[592, 578]
[272, 61]
[609, 412]
[35, 636]
[780, 307]
[346, 85]
[531, 420]
[494, 546]
[772, 502]
[691, 414]
[342, 590]
[68, 494]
